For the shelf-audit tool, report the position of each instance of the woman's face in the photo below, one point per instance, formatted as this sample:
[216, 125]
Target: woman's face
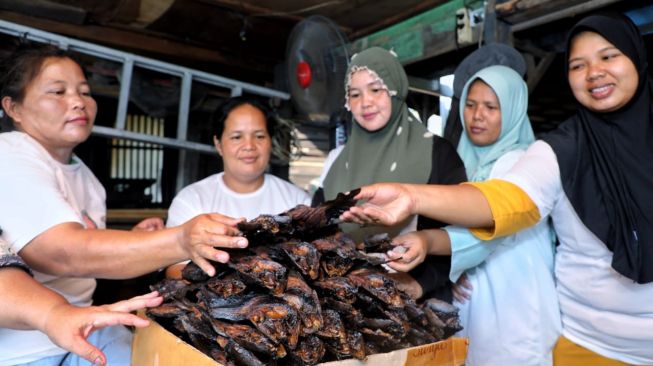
[369, 102]
[602, 78]
[482, 114]
[57, 110]
[245, 144]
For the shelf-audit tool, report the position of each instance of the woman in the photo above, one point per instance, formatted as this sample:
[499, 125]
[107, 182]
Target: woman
[243, 138]
[512, 317]
[388, 144]
[51, 201]
[593, 176]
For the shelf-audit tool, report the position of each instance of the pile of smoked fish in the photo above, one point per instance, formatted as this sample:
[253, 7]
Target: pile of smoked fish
[301, 294]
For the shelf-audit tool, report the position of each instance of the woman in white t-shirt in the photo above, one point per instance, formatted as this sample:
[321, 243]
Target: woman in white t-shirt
[53, 207]
[243, 137]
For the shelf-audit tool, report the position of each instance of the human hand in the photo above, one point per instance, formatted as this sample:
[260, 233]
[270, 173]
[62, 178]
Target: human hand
[462, 289]
[407, 284]
[203, 233]
[69, 326]
[149, 224]
[410, 250]
[386, 203]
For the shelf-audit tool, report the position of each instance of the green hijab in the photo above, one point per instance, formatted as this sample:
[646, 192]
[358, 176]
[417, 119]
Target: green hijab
[516, 130]
[399, 152]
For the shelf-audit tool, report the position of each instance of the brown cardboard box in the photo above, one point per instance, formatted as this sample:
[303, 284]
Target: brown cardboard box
[155, 346]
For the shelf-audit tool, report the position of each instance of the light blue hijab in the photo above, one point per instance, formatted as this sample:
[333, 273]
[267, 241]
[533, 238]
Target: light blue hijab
[516, 131]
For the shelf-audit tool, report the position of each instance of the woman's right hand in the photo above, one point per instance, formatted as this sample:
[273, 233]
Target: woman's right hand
[202, 234]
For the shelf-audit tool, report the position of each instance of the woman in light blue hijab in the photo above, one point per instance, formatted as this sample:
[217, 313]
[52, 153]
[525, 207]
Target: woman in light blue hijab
[511, 316]
[508, 303]
[516, 132]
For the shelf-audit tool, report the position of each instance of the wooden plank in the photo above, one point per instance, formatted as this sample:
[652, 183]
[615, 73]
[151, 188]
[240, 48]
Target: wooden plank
[422, 6]
[124, 39]
[419, 37]
[46, 9]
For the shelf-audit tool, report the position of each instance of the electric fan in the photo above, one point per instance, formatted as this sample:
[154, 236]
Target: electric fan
[317, 56]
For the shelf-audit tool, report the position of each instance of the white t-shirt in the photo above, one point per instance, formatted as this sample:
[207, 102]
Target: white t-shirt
[38, 193]
[212, 195]
[512, 317]
[601, 310]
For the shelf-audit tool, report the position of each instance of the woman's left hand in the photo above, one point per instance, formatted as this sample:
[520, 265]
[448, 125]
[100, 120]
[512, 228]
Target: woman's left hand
[462, 289]
[69, 326]
[410, 250]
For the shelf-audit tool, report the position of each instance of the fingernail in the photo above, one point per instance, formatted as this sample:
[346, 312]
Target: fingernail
[241, 243]
[97, 362]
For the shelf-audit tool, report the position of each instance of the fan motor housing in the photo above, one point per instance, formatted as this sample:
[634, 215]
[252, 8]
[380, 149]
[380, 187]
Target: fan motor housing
[304, 74]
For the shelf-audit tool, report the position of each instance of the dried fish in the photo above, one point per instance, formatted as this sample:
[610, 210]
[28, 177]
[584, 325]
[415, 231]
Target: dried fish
[301, 293]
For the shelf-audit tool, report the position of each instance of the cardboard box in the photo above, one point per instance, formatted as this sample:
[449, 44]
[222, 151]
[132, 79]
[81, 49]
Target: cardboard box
[155, 346]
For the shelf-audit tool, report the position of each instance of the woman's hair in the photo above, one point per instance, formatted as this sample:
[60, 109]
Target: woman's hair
[19, 69]
[281, 130]
[221, 114]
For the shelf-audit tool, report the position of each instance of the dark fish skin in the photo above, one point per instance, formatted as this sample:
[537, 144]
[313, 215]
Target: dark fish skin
[379, 243]
[171, 288]
[386, 325]
[238, 313]
[347, 311]
[437, 326]
[442, 308]
[277, 321]
[378, 285]
[239, 354]
[418, 336]
[265, 224]
[305, 301]
[227, 286]
[193, 273]
[356, 344]
[249, 338]
[165, 311]
[340, 288]
[264, 272]
[211, 300]
[304, 256]
[333, 326]
[309, 351]
[335, 265]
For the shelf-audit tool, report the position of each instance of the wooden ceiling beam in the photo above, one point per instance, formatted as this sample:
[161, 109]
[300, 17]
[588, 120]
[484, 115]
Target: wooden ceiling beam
[250, 9]
[46, 9]
[124, 39]
[422, 6]
[261, 12]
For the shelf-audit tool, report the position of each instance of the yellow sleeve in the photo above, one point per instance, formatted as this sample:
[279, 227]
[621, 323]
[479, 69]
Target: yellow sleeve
[512, 209]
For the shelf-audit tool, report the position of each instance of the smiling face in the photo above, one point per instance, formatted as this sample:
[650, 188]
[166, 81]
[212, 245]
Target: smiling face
[57, 109]
[245, 146]
[369, 101]
[482, 114]
[602, 78]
